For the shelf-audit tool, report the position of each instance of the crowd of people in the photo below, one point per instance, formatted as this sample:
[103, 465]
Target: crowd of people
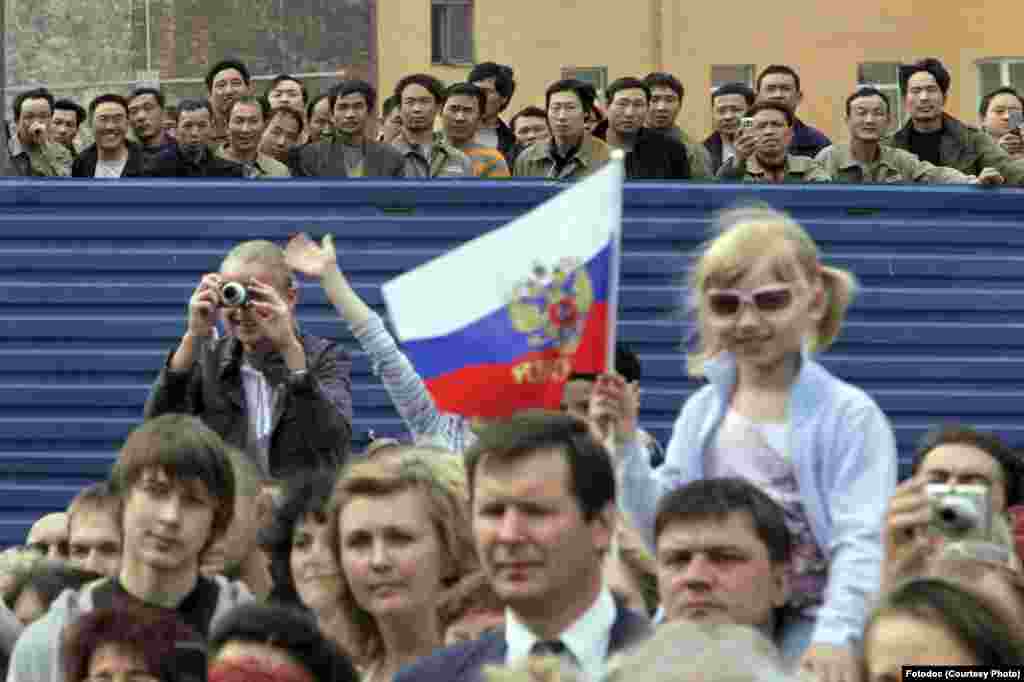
[427, 129]
[238, 537]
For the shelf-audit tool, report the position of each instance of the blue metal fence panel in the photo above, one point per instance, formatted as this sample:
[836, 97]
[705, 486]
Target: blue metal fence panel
[94, 279]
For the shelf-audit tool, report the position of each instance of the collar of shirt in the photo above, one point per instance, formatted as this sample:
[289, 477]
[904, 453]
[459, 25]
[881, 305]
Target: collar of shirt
[587, 639]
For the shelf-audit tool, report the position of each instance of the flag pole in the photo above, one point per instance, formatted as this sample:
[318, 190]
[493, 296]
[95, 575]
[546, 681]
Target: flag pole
[618, 160]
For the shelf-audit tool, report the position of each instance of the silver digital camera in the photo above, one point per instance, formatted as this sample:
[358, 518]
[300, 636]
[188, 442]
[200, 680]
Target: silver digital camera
[234, 295]
[960, 512]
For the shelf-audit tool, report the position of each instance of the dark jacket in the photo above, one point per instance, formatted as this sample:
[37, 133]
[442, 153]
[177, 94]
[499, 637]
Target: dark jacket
[171, 163]
[312, 415]
[807, 141]
[465, 662]
[326, 159]
[966, 149]
[655, 156]
[716, 149]
[507, 144]
[85, 165]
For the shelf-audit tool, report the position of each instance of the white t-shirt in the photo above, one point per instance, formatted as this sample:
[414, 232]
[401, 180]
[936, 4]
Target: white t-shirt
[110, 169]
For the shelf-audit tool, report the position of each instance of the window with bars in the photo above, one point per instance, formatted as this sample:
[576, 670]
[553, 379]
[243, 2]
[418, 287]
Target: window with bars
[595, 75]
[731, 73]
[1000, 72]
[451, 31]
[884, 76]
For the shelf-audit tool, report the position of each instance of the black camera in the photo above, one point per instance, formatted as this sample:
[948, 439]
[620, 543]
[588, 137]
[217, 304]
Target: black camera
[234, 295]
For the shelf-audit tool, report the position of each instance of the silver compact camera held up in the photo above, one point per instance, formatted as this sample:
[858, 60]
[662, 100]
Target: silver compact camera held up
[234, 295]
[960, 512]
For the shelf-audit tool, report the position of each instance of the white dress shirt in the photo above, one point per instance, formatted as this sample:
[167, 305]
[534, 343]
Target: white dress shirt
[587, 639]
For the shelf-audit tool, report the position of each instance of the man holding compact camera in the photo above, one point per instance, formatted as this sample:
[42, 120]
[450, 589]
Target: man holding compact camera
[281, 396]
[963, 483]
[1002, 116]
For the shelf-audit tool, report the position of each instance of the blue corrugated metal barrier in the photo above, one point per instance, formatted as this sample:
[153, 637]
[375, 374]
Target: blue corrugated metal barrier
[95, 278]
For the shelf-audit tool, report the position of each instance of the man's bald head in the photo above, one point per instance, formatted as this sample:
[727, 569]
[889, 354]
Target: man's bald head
[49, 536]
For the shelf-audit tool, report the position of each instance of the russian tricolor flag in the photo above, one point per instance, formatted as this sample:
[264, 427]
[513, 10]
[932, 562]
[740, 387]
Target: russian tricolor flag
[497, 325]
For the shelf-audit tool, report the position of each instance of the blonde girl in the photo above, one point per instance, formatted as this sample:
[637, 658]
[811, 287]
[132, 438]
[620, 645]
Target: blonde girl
[772, 415]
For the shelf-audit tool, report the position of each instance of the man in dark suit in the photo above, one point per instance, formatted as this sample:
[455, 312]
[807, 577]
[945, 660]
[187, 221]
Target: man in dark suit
[350, 153]
[543, 499]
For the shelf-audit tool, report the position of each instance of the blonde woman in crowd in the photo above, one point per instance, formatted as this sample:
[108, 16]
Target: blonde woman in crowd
[401, 524]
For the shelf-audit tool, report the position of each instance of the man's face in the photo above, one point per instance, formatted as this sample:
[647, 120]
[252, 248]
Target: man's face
[726, 113]
[49, 536]
[495, 101]
[166, 522]
[63, 126]
[242, 322]
[281, 135]
[392, 125]
[868, 119]
[576, 398]
[962, 464]
[780, 88]
[228, 86]
[195, 127]
[419, 108]
[628, 111]
[535, 546]
[146, 117]
[566, 116]
[94, 540]
[350, 114]
[924, 97]
[110, 121]
[665, 106]
[461, 118]
[34, 122]
[245, 126]
[1000, 108]
[718, 570]
[530, 129]
[287, 94]
[773, 133]
[320, 120]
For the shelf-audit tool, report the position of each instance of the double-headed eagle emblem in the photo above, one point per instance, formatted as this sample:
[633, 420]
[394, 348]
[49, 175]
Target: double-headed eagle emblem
[551, 306]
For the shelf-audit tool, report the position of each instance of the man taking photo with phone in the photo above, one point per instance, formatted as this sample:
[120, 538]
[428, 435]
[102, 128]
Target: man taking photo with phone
[1002, 115]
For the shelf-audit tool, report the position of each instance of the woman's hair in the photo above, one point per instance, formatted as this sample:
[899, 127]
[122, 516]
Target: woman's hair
[742, 236]
[153, 634]
[305, 495]
[293, 632]
[442, 482]
[968, 618]
[48, 579]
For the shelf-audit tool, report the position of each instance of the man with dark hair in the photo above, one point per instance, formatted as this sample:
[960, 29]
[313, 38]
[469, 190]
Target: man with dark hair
[190, 156]
[571, 153]
[48, 536]
[498, 82]
[762, 152]
[283, 134]
[729, 104]
[460, 120]
[723, 552]
[112, 155]
[650, 155]
[146, 114]
[667, 94]
[177, 494]
[529, 125]
[246, 121]
[318, 117]
[349, 153]
[287, 91]
[421, 97]
[542, 492]
[936, 137]
[997, 112]
[32, 152]
[390, 120]
[781, 84]
[94, 533]
[866, 160]
[226, 81]
[68, 117]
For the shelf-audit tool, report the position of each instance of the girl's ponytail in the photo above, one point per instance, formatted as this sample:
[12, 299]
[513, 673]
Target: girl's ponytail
[840, 287]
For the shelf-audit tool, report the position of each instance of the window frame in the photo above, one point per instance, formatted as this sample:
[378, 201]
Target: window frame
[447, 58]
[892, 89]
[751, 79]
